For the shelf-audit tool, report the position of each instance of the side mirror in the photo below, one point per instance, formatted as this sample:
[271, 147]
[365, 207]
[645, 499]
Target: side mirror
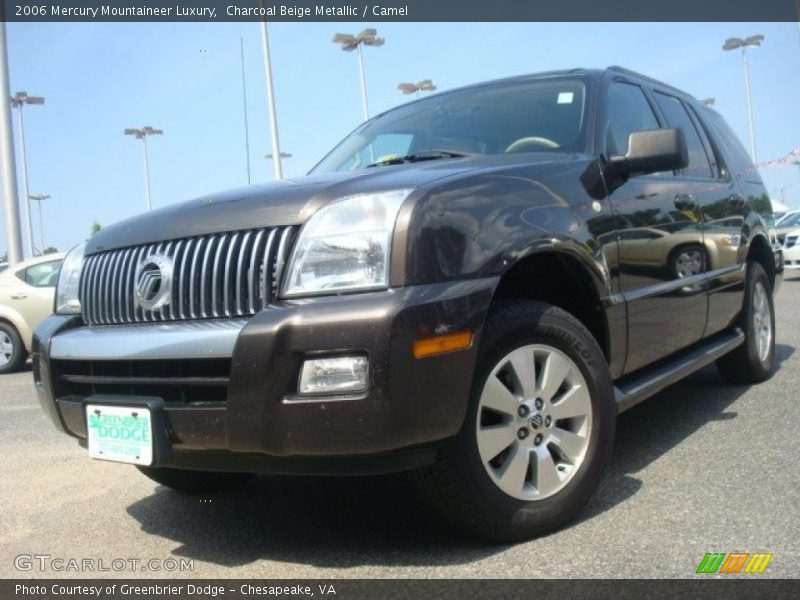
[651, 151]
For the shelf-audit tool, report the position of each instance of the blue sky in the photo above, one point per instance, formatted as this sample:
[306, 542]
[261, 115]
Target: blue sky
[185, 78]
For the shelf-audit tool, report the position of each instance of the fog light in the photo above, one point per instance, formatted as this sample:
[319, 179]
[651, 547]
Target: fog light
[337, 375]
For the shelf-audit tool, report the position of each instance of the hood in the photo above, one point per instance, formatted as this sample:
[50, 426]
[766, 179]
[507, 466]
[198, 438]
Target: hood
[288, 202]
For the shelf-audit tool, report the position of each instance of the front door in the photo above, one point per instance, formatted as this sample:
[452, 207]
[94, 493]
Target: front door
[661, 253]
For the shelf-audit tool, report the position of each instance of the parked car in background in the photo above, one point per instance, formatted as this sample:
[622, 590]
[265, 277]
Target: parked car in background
[779, 214]
[26, 299]
[788, 223]
[780, 217]
[791, 249]
[3, 266]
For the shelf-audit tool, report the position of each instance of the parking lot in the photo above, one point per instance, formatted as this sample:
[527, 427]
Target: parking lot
[701, 467]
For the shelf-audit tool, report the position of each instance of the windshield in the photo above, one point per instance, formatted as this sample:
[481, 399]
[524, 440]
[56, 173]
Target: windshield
[544, 115]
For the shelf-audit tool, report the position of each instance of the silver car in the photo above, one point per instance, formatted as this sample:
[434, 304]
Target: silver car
[26, 298]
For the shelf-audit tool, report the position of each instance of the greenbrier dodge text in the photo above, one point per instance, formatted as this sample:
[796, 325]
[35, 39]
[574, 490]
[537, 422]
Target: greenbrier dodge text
[201, 591]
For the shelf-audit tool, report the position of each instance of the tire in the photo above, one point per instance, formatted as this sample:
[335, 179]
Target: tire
[466, 485]
[12, 351]
[687, 260]
[754, 360]
[194, 482]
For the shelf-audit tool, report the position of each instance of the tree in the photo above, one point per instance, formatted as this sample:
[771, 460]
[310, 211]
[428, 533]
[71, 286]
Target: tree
[95, 227]
[50, 250]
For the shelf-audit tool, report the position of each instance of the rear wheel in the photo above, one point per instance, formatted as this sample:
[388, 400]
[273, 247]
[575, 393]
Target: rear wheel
[754, 360]
[538, 432]
[194, 482]
[12, 351]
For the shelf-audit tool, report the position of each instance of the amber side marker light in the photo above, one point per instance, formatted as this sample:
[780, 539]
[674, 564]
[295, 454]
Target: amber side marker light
[442, 344]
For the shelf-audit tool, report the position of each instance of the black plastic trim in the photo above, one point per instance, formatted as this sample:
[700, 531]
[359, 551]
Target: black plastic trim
[652, 380]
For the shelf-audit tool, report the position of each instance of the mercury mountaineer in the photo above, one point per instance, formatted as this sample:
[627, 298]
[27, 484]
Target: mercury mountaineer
[469, 287]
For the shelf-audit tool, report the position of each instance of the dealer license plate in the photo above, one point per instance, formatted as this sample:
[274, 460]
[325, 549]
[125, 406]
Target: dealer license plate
[122, 434]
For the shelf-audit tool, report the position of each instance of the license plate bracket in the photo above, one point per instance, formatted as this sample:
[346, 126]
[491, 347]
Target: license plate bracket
[127, 429]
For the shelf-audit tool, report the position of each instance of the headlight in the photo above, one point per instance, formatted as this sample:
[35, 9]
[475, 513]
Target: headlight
[345, 246]
[67, 302]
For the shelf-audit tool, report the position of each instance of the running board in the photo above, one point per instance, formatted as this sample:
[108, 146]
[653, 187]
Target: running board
[640, 387]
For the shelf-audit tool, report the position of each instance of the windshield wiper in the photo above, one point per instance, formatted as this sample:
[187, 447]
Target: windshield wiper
[419, 156]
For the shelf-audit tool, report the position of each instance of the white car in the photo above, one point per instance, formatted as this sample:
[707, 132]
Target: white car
[783, 218]
[791, 250]
[26, 298]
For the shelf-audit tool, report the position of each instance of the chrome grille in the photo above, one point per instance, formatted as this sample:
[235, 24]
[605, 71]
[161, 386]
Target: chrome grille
[219, 275]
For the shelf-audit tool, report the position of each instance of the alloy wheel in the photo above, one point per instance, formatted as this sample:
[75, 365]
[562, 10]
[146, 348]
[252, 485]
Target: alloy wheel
[6, 348]
[762, 321]
[534, 422]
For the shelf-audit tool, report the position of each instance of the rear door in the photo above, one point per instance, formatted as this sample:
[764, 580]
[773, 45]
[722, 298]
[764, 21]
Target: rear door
[727, 217]
[722, 207]
[660, 238]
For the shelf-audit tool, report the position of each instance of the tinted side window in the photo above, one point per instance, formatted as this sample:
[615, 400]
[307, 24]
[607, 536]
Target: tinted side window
[675, 113]
[738, 158]
[628, 111]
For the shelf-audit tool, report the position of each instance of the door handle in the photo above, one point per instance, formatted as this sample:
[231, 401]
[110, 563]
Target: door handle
[19, 296]
[685, 201]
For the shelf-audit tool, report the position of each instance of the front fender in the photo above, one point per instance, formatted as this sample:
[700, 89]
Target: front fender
[482, 224]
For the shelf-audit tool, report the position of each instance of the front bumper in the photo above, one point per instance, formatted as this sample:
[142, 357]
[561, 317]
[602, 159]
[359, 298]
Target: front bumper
[260, 423]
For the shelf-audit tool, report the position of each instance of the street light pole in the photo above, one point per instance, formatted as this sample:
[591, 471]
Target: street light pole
[349, 42]
[147, 175]
[8, 174]
[18, 101]
[744, 44]
[26, 205]
[364, 101]
[244, 102]
[782, 192]
[270, 156]
[141, 134]
[273, 118]
[749, 105]
[39, 198]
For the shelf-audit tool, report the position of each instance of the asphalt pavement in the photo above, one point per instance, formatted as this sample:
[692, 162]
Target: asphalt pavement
[702, 467]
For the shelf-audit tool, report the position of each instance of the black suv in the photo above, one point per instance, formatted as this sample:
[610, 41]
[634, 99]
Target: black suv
[469, 287]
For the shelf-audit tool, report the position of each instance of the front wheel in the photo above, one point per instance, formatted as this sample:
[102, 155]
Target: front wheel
[538, 432]
[194, 482]
[754, 360]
